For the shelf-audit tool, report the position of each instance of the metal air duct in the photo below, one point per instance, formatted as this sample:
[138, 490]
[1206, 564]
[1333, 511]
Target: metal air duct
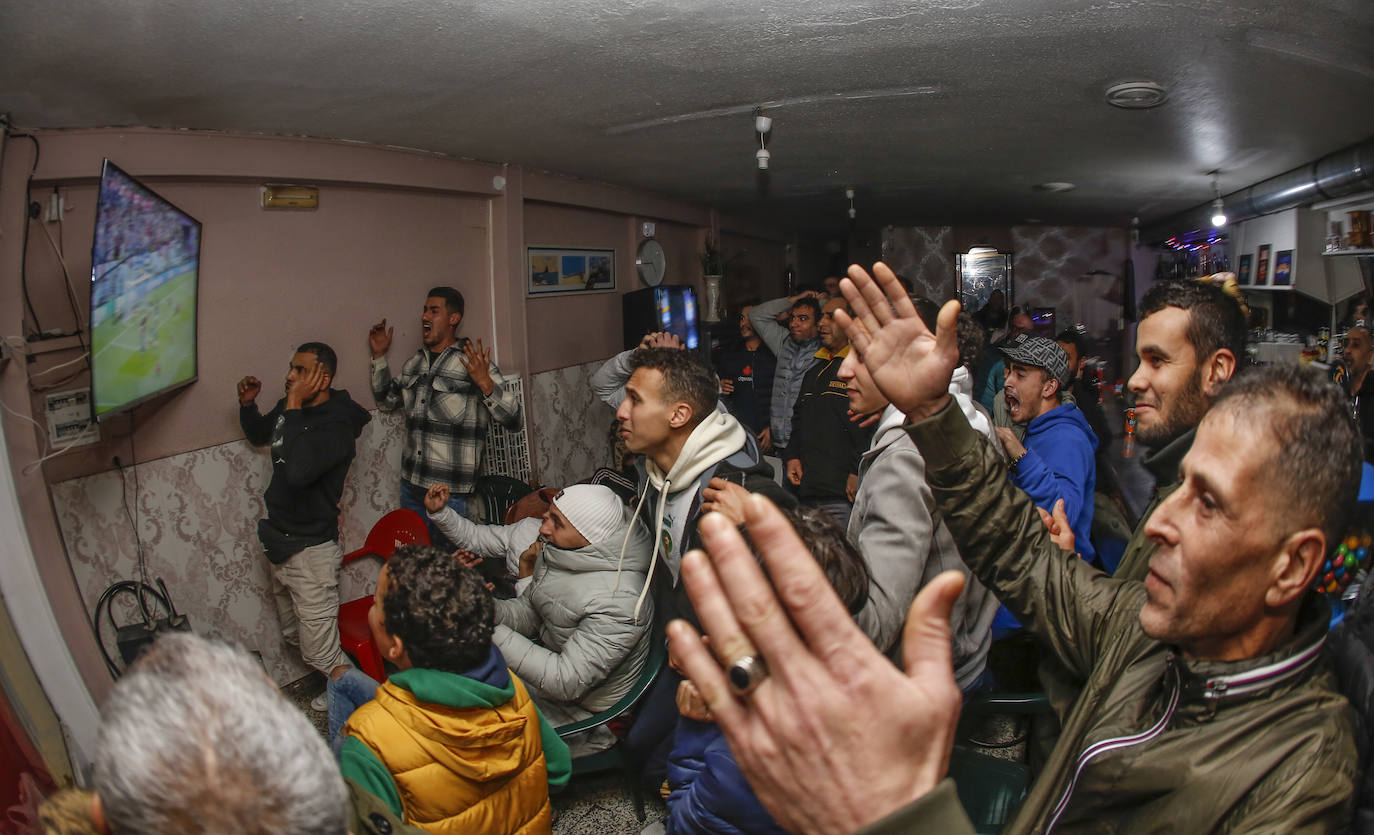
[1345, 172]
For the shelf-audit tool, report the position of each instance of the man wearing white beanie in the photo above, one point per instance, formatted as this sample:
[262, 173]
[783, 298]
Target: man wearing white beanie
[590, 647]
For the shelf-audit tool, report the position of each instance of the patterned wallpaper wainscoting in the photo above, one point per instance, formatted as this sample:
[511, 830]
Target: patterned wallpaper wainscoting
[1050, 263]
[570, 425]
[924, 255]
[197, 518]
[1051, 270]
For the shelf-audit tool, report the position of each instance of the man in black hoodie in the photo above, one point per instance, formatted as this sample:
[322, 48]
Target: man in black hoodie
[311, 431]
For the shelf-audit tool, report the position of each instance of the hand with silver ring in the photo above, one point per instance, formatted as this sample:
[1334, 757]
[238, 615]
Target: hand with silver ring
[833, 743]
[746, 674]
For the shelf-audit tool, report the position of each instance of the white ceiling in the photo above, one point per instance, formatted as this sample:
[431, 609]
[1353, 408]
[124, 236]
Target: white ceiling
[935, 111]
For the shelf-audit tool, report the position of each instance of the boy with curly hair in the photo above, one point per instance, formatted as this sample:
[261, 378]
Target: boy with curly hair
[452, 741]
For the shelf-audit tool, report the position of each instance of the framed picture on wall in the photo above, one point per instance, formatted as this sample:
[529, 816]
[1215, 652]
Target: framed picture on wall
[1262, 267]
[1283, 268]
[553, 270]
[1243, 269]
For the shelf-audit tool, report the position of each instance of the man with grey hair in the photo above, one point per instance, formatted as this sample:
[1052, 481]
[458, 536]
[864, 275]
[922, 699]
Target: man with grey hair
[196, 740]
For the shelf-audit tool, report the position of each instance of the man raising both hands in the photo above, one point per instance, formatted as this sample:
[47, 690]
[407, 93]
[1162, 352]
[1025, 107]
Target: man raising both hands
[311, 430]
[450, 393]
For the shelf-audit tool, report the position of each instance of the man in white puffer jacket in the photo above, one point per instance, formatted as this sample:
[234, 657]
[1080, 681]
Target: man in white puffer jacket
[571, 635]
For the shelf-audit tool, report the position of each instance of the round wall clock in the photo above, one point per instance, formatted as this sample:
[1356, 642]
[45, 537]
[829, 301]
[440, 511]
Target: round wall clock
[652, 262]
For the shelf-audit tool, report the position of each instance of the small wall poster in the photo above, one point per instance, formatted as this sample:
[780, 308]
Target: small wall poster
[552, 270]
[1243, 271]
[1262, 267]
[1283, 268]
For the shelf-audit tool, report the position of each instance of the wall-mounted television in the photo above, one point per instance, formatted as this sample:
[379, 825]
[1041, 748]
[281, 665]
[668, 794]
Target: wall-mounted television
[145, 262]
[667, 307]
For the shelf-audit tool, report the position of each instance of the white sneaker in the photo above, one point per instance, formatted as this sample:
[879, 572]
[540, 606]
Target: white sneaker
[321, 702]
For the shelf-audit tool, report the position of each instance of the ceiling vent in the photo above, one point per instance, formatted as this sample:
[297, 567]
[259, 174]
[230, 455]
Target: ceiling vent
[1136, 95]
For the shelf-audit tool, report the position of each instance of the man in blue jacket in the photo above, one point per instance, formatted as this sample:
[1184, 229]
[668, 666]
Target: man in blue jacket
[1056, 460]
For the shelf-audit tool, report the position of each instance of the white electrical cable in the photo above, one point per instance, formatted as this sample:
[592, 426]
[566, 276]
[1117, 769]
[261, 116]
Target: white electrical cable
[61, 365]
[66, 274]
[32, 465]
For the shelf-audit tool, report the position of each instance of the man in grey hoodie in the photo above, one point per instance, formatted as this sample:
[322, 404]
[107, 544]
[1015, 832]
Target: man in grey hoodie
[572, 634]
[898, 530]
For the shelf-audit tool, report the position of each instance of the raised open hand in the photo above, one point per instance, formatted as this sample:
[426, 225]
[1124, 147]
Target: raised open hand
[477, 361]
[829, 739]
[910, 365]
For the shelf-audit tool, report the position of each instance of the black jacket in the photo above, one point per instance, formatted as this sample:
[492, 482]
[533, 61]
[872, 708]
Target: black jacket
[311, 451]
[752, 375]
[828, 443]
[1363, 404]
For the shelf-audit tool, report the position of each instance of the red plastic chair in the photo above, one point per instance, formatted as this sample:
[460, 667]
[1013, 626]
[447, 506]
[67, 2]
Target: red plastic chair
[397, 528]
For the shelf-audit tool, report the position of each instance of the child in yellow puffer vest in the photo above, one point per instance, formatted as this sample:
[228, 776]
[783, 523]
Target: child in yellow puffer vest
[452, 742]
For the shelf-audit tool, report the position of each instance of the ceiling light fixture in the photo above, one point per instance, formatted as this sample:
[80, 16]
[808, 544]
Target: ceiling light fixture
[1137, 95]
[1054, 187]
[1218, 210]
[762, 125]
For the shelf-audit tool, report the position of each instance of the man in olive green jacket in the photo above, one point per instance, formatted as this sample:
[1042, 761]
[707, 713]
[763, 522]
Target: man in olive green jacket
[1190, 712]
[1188, 342]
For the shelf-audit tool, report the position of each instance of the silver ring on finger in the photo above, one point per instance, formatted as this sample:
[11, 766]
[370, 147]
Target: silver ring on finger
[746, 674]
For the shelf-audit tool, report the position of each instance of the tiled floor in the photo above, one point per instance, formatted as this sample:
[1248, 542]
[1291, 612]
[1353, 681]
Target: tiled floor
[301, 692]
[599, 804]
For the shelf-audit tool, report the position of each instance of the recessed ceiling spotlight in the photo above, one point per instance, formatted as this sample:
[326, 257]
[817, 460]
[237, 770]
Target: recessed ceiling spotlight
[1054, 188]
[1136, 95]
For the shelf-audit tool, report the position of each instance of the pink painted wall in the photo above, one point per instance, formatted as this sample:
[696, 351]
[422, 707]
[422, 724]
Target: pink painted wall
[570, 329]
[271, 280]
[753, 267]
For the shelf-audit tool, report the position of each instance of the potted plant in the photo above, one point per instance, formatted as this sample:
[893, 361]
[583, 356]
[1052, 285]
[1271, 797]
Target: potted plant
[712, 268]
[712, 264]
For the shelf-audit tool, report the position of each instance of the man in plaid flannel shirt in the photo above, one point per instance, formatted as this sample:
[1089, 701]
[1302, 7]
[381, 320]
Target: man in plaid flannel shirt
[450, 391]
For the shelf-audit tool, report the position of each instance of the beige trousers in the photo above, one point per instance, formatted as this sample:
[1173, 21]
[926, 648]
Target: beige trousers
[306, 590]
